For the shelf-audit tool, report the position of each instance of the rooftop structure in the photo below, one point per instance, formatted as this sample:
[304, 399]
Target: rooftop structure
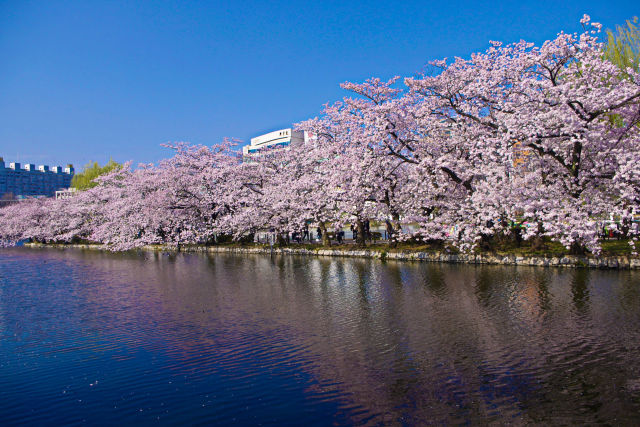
[31, 181]
[278, 138]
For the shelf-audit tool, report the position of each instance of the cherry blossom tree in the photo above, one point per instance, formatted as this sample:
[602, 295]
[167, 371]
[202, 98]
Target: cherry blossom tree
[547, 136]
[538, 121]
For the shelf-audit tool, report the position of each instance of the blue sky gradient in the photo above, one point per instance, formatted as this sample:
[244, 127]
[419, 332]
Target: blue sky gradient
[89, 80]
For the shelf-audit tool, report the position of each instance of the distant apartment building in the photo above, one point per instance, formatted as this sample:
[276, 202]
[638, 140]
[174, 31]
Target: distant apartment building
[271, 140]
[31, 181]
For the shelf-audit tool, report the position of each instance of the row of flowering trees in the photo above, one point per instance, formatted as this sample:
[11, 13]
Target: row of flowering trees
[548, 135]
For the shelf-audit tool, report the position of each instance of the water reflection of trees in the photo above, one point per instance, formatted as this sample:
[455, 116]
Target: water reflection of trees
[580, 290]
[396, 342]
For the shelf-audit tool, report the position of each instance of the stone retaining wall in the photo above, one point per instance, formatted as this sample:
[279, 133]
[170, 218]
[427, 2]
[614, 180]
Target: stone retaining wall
[622, 262]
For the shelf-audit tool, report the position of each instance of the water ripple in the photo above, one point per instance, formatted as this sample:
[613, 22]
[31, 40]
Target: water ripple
[109, 338]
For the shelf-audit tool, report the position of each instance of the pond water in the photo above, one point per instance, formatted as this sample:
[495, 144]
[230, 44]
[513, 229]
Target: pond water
[107, 338]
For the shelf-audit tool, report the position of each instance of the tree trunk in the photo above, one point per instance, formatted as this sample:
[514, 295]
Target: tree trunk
[625, 226]
[577, 248]
[538, 241]
[325, 236]
[393, 228]
[516, 235]
[390, 233]
[360, 241]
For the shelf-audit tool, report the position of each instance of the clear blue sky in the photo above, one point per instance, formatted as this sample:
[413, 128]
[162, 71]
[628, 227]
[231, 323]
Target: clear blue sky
[86, 80]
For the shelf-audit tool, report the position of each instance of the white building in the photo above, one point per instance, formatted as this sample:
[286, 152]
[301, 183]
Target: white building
[67, 193]
[278, 138]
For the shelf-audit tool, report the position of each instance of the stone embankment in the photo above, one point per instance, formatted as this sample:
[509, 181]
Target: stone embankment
[610, 262]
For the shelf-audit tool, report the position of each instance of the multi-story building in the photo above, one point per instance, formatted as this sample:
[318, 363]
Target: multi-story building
[32, 181]
[278, 138]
